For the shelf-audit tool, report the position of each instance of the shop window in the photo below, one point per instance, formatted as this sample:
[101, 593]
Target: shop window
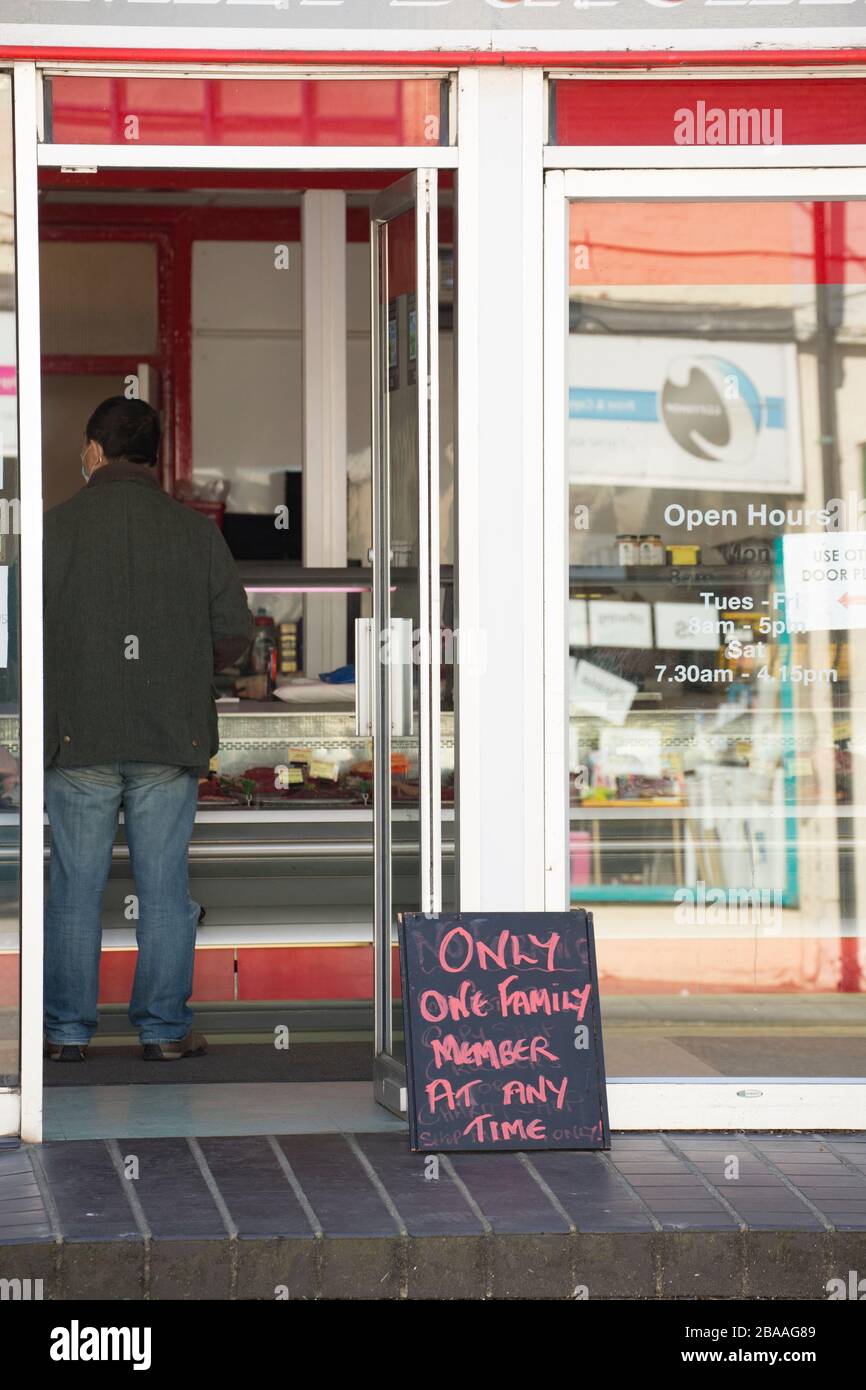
[247, 111]
[716, 441]
[749, 111]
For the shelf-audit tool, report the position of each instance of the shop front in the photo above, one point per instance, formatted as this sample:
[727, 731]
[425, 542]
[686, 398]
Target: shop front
[545, 374]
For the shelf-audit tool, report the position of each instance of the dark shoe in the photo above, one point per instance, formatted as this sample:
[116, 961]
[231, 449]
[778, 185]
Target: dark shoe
[193, 1045]
[65, 1052]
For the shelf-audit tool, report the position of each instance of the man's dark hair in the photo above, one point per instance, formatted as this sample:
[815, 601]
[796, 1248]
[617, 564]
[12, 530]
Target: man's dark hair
[126, 429]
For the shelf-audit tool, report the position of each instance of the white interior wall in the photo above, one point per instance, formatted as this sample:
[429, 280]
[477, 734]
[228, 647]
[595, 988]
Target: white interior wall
[358, 462]
[247, 370]
[323, 230]
[358, 415]
[255, 414]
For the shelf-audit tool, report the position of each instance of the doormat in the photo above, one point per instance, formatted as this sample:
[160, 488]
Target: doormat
[122, 1066]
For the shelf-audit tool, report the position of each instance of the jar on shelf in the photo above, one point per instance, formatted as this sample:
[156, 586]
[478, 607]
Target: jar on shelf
[628, 550]
[652, 551]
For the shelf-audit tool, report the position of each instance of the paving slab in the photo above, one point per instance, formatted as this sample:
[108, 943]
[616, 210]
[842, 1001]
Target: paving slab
[353, 1215]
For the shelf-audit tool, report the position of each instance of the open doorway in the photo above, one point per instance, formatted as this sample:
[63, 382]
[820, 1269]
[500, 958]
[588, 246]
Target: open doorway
[238, 303]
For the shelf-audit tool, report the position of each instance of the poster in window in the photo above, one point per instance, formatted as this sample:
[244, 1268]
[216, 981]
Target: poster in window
[393, 347]
[4, 616]
[412, 354]
[684, 413]
[446, 274]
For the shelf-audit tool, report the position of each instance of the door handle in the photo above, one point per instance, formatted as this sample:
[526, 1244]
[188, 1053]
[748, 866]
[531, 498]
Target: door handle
[364, 670]
[399, 659]
[400, 664]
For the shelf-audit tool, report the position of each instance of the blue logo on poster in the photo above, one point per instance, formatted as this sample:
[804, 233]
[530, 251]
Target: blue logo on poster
[712, 409]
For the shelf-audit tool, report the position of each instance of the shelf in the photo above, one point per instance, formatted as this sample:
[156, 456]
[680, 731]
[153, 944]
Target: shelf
[650, 893]
[759, 811]
[623, 892]
[271, 576]
[633, 803]
[682, 576]
[270, 708]
[277, 722]
[305, 816]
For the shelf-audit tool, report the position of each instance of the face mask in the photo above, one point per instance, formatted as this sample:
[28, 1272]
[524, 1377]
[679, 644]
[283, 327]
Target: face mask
[84, 473]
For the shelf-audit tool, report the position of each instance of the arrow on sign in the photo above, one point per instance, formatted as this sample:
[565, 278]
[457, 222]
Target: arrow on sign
[848, 599]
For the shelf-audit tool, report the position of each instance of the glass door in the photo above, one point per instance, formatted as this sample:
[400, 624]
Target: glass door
[405, 658]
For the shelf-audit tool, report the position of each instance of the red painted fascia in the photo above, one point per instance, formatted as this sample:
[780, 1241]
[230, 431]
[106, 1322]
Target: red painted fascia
[437, 58]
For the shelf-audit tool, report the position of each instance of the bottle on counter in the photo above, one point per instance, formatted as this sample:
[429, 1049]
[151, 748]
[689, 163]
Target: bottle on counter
[263, 654]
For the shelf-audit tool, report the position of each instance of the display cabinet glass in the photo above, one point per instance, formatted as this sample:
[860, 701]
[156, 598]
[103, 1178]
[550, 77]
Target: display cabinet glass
[288, 733]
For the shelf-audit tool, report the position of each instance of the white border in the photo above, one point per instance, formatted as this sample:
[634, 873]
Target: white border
[687, 184]
[500, 694]
[30, 628]
[280, 72]
[467, 618]
[766, 158]
[535, 123]
[10, 1113]
[716, 1103]
[429, 594]
[556, 532]
[247, 157]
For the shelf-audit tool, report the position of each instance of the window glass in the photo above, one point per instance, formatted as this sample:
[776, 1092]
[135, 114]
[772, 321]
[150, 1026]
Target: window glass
[246, 111]
[10, 707]
[737, 111]
[716, 441]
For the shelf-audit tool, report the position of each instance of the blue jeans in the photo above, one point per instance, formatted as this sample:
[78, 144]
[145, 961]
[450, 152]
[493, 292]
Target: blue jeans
[159, 804]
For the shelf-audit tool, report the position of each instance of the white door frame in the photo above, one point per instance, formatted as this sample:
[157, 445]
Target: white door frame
[21, 1111]
[753, 1103]
[25, 98]
[247, 157]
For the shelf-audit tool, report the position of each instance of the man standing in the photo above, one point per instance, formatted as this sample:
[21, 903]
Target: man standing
[142, 604]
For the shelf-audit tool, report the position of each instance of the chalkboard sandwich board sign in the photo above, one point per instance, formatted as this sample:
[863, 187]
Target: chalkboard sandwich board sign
[503, 1032]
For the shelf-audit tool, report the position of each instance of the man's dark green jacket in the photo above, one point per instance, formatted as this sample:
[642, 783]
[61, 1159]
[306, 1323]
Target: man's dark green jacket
[142, 604]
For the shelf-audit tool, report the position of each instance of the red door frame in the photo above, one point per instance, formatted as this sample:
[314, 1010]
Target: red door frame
[64, 222]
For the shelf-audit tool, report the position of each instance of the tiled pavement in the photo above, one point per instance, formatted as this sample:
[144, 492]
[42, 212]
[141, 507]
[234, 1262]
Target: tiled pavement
[751, 1216]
